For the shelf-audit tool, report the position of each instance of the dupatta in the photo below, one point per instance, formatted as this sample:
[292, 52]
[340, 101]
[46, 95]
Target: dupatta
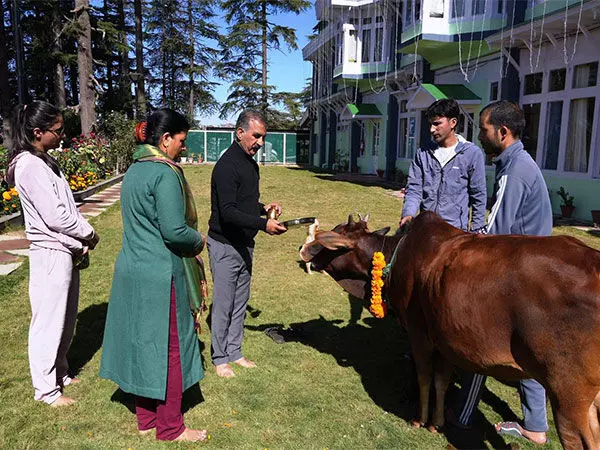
[195, 275]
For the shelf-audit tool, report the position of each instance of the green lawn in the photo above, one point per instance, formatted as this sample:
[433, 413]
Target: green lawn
[344, 382]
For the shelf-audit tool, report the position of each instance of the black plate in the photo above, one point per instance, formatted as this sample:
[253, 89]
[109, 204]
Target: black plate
[300, 221]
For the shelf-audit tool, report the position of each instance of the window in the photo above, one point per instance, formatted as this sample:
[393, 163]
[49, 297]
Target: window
[530, 134]
[557, 80]
[409, 12]
[402, 130]
[403, 106]
[367, 20]
[417, 10]
[553, 125]
[478, 7]
[458, 8]
[500, 6]
[581, 118]
[436, 8]
[493, 91]
[378, 44]
[375, 141]
[533, 83]
[585, 75]
[353, 21]
[379, 19]
[366, 45]
[351, 45]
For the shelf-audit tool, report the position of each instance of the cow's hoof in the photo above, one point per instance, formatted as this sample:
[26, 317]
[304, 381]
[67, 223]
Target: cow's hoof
[417, 424]
[433, 428]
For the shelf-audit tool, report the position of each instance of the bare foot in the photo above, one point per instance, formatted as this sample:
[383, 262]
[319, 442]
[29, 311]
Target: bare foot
[62, 401]
[514, 429]
[224, 370]
[74, 381]
[191, 435]
[245, 362]
[145, 432]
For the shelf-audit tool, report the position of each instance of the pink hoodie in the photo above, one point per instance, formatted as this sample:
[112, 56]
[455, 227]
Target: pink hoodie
[52, 219]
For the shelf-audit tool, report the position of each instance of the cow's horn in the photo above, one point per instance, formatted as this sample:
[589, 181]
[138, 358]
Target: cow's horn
[366, 218]
[360, 217]
[350, 219]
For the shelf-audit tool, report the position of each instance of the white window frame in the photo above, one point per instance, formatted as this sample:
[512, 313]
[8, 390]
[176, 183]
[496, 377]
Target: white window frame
[566, 96]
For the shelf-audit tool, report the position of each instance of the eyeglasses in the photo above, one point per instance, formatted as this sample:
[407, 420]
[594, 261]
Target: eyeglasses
[58, 131]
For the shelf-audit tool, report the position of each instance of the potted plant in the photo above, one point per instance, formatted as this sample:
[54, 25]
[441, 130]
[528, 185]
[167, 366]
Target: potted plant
[380, 172]
[566, 206]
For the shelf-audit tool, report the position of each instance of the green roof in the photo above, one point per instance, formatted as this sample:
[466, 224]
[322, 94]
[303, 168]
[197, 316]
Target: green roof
[364, 109]
[455, 91]
[442, 54]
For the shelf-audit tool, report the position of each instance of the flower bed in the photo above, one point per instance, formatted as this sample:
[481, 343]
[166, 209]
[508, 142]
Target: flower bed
[10, 200]
[83, 163]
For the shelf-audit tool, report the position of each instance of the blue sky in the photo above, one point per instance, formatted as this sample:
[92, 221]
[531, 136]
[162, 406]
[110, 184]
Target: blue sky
[287, 71]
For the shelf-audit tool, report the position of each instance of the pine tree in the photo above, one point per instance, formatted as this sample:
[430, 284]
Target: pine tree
[245, 52]
[181, 57]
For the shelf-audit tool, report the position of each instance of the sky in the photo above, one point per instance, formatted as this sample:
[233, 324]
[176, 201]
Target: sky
[287, 70]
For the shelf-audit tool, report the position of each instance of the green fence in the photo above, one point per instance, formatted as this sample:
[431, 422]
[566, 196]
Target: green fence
[280, 147]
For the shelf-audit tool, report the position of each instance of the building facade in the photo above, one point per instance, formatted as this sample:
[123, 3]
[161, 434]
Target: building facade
[378, 65]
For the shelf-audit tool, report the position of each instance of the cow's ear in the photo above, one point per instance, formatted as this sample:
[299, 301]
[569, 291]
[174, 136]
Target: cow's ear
[334, 241]
[382, 231]
[309, 251]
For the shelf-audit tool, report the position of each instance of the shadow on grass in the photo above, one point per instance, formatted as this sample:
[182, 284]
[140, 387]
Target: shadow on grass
[379, 352]
[595, 232]
[88, 336]
[191, 398]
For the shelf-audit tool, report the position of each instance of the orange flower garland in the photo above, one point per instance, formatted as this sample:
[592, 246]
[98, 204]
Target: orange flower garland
[377, 308]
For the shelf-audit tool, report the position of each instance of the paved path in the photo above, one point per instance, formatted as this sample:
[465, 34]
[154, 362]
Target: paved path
[14, 246]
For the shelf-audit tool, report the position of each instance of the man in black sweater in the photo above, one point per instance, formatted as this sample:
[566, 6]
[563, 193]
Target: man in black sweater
[236, 218]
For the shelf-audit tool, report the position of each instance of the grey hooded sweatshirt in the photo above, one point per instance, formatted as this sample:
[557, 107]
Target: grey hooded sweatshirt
[52, 219]
[449, 191]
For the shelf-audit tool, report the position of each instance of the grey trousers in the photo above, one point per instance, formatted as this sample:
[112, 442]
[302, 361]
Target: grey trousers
[231, 269]
[533, 401]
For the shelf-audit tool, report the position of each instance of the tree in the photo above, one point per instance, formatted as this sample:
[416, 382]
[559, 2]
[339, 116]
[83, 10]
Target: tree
[87, 110]
[245, 51]
[140, 91]
[181, 57]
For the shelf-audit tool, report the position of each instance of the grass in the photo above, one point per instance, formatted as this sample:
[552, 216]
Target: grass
[344, 382]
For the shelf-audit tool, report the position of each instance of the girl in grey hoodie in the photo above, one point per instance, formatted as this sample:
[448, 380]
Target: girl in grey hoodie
[58, 235]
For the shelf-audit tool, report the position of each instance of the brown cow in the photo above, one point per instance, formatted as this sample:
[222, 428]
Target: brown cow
[511, 307]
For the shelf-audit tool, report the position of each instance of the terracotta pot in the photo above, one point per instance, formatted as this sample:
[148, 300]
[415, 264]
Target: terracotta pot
[566, 211]
[596, 217]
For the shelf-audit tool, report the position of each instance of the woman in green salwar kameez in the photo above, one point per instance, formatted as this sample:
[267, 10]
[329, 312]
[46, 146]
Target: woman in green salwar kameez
[150, 347]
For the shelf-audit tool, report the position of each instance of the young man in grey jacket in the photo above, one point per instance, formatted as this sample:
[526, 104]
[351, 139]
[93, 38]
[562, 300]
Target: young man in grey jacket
[521, 205]
[447, 178]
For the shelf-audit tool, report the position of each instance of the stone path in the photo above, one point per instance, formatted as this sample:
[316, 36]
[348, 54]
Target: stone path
[14, 246]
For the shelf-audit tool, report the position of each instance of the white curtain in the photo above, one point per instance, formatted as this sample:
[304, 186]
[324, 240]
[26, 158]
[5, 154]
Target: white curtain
[577, 144]
[581, 77]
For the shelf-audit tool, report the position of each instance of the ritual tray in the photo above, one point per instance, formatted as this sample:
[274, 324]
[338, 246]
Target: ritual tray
[298, 222]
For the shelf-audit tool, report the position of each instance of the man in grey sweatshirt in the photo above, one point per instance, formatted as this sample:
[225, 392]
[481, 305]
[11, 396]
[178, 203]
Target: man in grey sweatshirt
[521, 205]
[447, 175]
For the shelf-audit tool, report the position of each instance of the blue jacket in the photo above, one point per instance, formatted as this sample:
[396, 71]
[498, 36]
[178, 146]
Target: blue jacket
[521, 199]
[449, 191]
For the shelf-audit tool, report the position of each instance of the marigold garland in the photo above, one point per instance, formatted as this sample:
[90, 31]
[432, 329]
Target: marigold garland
[377, 308]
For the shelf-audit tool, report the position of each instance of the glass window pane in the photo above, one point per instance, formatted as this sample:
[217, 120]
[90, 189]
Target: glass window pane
[477, 7]
[379, 44]
[351, 46]
[366, 45]
[402, 130]
[553, 124]
[436, 8]
[557, 80]
[494, 91]
[458, 8]
[581, 118]
[417, 10]
[532, 123]
[533, 83]
[585, 75]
